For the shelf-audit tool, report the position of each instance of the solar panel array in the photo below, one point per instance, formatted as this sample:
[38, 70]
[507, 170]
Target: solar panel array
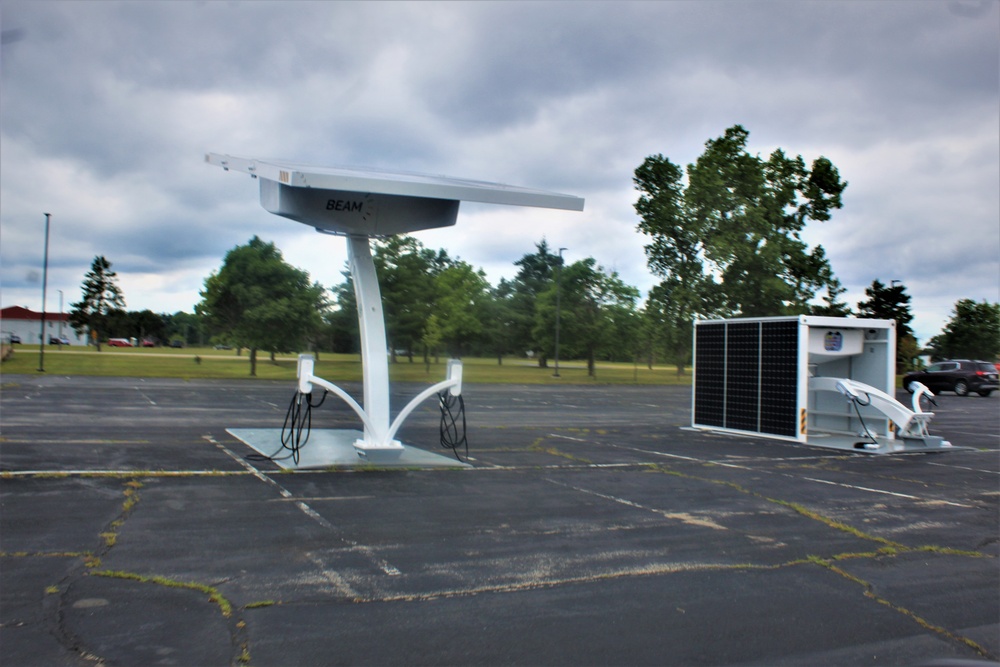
[746, 376]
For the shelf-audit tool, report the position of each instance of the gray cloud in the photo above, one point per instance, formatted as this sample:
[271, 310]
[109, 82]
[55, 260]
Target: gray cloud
[108, 107]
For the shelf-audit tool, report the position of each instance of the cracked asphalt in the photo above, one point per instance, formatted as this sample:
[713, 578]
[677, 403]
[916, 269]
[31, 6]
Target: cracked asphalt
[592, 529]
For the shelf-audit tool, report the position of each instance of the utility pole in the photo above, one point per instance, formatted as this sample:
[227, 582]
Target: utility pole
[60, 317]
[45, 281]
[558, 290]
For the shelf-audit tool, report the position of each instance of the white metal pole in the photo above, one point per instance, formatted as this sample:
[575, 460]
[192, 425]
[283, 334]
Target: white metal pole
[371, 320]
[558, 290]
[45, 283]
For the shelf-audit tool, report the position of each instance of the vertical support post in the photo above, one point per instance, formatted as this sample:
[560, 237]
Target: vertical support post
[802, 380]
[45, 284]
[371, 320]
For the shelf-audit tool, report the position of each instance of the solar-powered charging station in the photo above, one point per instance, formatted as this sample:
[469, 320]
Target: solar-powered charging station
[821, 381]
[361, 204]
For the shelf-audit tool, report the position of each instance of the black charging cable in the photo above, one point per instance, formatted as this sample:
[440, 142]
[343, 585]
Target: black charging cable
[295, 430]
[452, 413]
[856, 401]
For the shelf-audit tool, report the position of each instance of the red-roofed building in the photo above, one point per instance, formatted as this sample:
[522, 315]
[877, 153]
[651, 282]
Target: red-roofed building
[20, 323]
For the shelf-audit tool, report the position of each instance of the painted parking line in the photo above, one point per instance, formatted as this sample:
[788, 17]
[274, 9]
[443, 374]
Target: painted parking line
[381, 563]
[726, 464]
[948, 465]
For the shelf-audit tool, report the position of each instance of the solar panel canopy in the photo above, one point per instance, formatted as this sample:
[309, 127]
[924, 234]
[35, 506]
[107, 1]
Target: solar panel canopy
[376, 202]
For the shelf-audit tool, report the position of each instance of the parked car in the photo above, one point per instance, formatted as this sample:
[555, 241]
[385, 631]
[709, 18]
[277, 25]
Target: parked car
[146, 342]
[958, 375]
[56, 340]
[119, 342]
[176, 343]
[14, 338]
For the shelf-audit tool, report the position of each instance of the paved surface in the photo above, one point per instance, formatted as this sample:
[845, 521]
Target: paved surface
[592, 529]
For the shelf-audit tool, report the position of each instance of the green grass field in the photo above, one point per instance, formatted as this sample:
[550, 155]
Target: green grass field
[191, 363]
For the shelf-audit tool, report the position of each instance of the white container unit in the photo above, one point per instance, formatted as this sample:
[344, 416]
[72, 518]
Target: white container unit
[824, 381]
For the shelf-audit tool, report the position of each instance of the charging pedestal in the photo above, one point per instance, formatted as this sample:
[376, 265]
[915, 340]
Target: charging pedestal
[821, 381]
[362, 204]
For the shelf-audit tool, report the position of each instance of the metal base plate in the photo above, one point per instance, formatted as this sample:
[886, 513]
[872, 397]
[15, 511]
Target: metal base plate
[328, 448]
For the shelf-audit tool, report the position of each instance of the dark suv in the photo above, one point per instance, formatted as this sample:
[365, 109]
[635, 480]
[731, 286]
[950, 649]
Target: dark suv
[958, 375]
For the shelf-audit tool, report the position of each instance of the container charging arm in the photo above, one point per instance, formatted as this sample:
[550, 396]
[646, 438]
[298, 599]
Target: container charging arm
[909, 421]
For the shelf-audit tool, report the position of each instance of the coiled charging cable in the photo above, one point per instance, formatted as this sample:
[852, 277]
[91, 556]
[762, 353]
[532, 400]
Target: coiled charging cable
[453, 411]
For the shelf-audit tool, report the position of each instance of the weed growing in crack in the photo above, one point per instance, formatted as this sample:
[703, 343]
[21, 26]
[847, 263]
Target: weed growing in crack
[869, 592]
[213, 594]
[260, 604]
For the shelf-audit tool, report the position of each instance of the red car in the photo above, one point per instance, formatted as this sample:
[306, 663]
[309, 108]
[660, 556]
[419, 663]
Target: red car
[119, 342]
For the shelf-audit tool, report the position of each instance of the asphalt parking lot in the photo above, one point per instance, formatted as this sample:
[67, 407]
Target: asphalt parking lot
[591, 529]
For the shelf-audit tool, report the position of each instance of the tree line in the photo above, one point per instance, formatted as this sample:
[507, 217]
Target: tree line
[724, 240]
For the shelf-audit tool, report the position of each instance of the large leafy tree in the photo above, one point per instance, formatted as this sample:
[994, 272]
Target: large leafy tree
[732, 233]
[258, 301]
[101, 297]
[973, 332]
[892, 303]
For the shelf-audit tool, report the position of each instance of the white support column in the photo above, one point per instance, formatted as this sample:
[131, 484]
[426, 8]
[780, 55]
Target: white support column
[375, 364]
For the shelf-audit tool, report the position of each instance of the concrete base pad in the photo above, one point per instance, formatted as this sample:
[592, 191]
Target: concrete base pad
[330, 448]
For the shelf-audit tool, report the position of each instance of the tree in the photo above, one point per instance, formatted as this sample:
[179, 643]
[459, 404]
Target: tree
[188, 327]
[142, 325]
[892, 303]
[342, 319]
[101, 296]
[973, 332]
[406, 271]
[431, 339]
[536, 274]
[460, 305]
[671, 309]
[597, 312]
[260, 302]
[498, 320]
[732, 233]
[832, 306]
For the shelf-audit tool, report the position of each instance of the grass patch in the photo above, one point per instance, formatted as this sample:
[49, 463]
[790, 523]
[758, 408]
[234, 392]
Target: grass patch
[837, 525]
[213, 594]
[260, 604]
[225, 364]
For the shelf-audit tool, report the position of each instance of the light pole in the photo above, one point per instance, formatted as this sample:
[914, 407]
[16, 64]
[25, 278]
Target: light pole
[558, 290]
[60, 317]
[45, 281]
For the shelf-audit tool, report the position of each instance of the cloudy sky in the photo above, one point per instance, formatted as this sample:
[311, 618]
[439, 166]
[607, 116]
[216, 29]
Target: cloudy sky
[109, 107]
